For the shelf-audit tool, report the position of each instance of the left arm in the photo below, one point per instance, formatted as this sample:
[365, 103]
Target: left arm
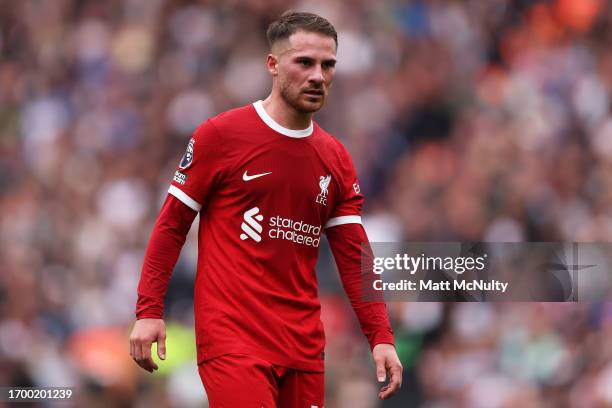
[349, 244]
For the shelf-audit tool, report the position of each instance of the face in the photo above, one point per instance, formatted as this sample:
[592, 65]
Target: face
[304, 68]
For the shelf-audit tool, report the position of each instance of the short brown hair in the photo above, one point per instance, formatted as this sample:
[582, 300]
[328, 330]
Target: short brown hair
[291, 21]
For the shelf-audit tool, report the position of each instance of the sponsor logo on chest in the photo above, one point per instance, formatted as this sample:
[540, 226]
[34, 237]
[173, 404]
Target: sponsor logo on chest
[279, 227]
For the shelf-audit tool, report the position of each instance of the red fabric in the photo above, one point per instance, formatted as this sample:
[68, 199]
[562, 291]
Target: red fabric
[346, 244]
[167, 239]
[239, 380]
[265, 198]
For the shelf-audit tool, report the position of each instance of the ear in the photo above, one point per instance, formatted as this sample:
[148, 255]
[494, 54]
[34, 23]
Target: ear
[272, 64]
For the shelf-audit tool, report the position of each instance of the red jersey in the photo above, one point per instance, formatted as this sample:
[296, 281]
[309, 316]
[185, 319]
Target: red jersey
[265, 196]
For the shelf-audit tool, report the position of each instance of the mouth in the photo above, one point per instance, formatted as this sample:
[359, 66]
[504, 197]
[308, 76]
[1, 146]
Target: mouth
[314, 93]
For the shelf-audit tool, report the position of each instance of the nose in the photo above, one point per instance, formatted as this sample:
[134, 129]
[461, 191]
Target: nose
[316, 75]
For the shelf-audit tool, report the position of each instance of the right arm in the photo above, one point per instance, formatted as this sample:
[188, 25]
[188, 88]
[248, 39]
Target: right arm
[196, 177]
[167, 239]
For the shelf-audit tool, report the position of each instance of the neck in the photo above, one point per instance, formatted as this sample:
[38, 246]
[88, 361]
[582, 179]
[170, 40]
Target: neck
[285, 115]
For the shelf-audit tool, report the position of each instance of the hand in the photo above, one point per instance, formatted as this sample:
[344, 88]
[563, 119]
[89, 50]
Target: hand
[386, 359]
[144, 333]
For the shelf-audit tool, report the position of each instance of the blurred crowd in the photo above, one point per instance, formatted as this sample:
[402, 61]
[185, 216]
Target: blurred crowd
[467, 120]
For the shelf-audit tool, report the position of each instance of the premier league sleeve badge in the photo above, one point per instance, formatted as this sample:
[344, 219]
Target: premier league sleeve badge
[188, 156]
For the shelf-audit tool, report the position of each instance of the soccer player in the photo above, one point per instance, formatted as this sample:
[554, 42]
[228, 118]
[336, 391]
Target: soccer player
[267, 182]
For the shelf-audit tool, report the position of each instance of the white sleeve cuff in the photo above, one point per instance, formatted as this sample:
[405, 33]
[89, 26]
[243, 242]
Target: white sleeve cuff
[185, 199]
[345, 219]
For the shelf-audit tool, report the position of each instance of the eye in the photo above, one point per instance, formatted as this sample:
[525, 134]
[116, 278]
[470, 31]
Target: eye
[329, 65]
[305, 63]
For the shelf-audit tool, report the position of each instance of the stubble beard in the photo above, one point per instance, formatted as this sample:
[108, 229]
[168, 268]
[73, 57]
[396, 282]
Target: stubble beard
[293, 100]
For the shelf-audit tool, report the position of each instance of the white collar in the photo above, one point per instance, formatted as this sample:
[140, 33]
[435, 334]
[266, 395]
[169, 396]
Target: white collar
[280, 129]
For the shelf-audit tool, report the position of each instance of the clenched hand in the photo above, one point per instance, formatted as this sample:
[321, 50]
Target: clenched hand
[144, 333]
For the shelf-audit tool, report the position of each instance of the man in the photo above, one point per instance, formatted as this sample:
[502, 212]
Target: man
[267, 182]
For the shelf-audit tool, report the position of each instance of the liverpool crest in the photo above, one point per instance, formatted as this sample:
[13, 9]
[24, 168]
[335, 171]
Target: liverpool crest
[324, 185]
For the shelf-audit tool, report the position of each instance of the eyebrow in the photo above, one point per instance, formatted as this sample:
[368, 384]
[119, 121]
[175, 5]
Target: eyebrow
[325, 61]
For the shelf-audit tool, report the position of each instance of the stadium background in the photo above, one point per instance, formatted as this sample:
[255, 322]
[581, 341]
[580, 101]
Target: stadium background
[467, 120]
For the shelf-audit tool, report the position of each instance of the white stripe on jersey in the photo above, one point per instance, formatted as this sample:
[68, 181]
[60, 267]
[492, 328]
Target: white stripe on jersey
[345, 219]
[185, 199]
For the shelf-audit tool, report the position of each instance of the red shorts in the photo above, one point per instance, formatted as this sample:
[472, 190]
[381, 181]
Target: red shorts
[239, 380]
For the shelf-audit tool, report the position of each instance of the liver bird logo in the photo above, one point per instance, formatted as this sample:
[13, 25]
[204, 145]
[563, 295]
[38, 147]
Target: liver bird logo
[324, 184]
